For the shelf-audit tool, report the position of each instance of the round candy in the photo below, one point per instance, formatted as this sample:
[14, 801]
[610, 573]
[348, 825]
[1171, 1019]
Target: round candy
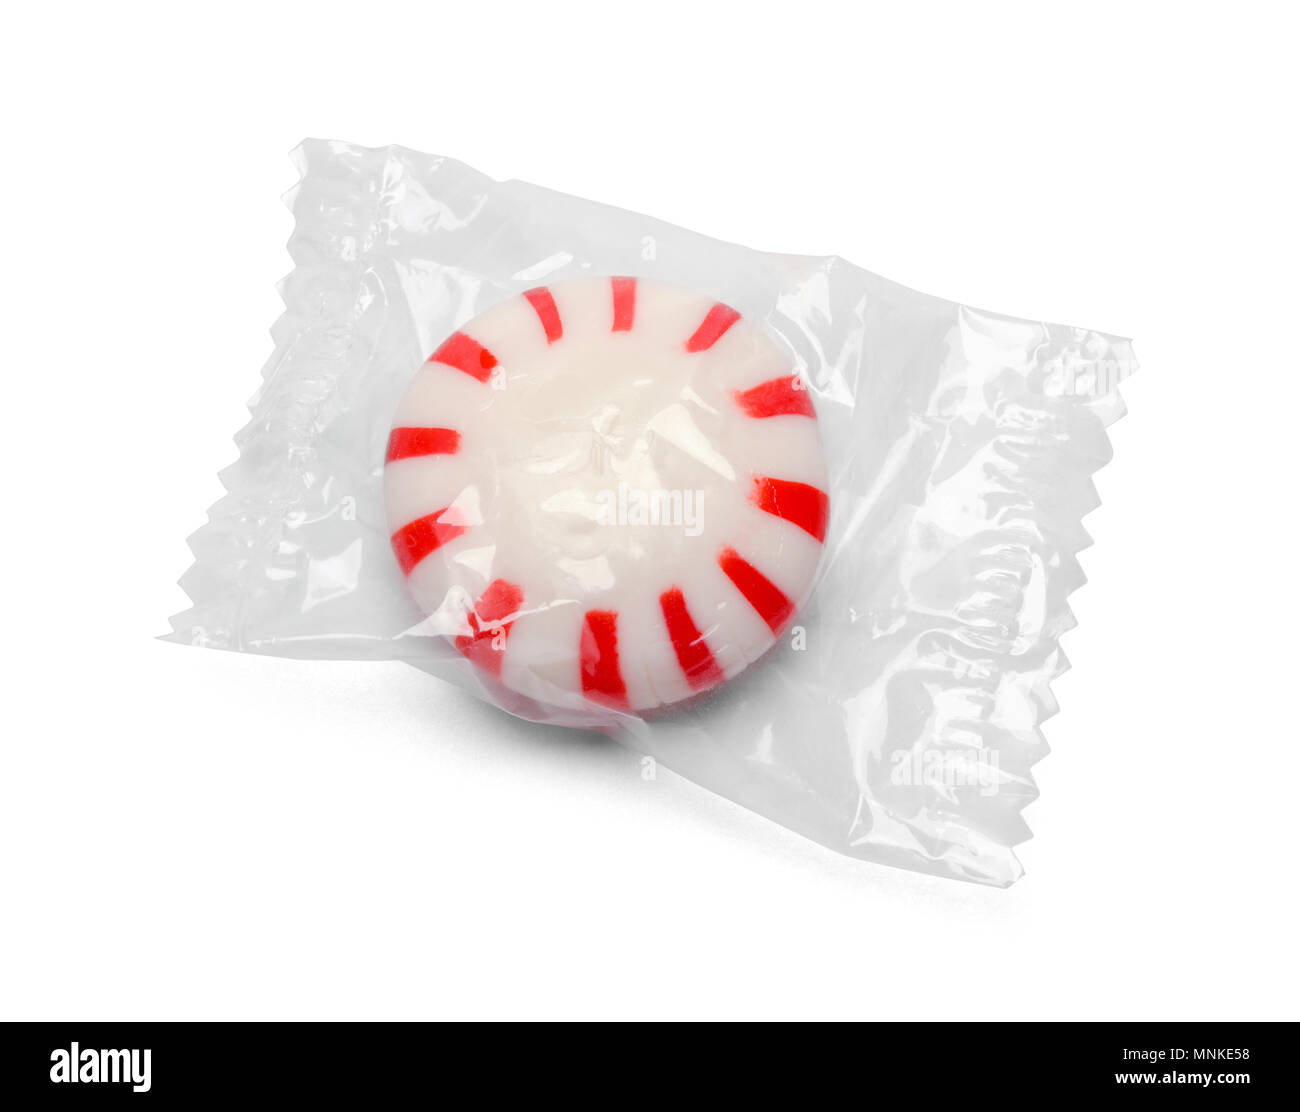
[608, 490]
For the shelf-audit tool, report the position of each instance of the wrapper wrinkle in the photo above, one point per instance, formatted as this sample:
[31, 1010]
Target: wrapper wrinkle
[984, 573]
[900, 719]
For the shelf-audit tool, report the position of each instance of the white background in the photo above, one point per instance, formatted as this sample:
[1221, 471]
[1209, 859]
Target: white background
[204, 835]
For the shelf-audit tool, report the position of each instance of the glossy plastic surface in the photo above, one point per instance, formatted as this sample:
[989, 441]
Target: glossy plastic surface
[897, 717]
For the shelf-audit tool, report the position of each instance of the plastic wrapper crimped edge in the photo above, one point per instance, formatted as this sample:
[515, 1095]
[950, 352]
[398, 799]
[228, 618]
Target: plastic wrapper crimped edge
[898, 720]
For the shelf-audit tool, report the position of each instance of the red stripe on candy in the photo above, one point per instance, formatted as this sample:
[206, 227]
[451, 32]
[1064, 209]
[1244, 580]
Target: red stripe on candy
[491, 619]
[602, 682]
[405, 443]
[624, 303]
[465, 354]
[776, 398]
[693, 654]
[719, 319]
[544, 305]
[797, 503]
[759, 591]
[414, 541]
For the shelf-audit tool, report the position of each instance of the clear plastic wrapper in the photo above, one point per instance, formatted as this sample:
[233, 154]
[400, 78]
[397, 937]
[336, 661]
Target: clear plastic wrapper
[801, 534]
